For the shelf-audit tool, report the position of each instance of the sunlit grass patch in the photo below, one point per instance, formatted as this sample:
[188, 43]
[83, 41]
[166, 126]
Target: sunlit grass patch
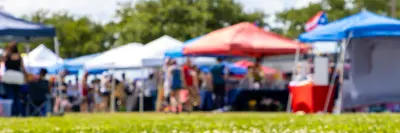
[204, 123]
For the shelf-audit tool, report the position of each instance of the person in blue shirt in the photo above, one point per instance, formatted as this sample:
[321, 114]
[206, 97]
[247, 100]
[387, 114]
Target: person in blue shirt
[175, 73]
[218, 75]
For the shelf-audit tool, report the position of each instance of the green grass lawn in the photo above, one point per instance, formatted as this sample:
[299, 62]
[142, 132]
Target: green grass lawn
[204, 123]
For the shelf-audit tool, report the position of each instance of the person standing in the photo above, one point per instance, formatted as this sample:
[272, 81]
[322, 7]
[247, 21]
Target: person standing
[105, 91]
[84, 90]
[219, 74]
[194, 94]
[191, 85]
[258, 75]
[14, 76]
[163, 94]
[175, 73]
[61, 102]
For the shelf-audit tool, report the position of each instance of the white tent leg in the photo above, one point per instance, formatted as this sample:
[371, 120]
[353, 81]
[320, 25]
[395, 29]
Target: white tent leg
[141, 91]
[333, 80]
[296, 61]
[340, 100]
[341, 60]
[294, 71]
[112, 97]
[56, 46]
[27, 49]
[57, 51]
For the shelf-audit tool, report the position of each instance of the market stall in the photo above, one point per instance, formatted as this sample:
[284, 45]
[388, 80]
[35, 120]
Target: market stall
[369, 40]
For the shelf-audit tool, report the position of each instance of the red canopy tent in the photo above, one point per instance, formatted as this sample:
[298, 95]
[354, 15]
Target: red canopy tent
[243, 39]
[246, 63]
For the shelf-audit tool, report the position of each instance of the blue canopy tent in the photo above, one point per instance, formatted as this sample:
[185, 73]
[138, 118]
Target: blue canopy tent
[12, 28]
[362, 24]
[75, 64]
[174, 53]
[371, 42]
[178, 53]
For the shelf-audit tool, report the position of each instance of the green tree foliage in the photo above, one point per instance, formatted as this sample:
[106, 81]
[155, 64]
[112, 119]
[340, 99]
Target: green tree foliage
[77, 35]
[335, 9]
[142, 22]
[181, 19]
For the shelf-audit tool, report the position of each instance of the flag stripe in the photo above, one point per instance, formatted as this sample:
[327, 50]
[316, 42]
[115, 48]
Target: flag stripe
[318, 19]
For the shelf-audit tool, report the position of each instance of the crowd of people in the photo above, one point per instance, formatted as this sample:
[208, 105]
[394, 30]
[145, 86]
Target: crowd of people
[181, 86]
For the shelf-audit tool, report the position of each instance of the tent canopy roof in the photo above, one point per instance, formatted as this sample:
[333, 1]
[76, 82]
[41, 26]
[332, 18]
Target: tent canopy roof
[157, 48]
[41, 56]
[73, 65]
[12, 26]
[126, 56]
[179, 51]
[243, 39]
[79, 60]
[362, 24]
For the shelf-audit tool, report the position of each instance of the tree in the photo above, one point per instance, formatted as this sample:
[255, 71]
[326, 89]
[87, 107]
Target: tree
[181, 19]
[335, 9]
[142, 22]
[77, 35]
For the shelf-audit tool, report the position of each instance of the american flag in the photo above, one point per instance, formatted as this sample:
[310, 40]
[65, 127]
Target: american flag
[319, 19]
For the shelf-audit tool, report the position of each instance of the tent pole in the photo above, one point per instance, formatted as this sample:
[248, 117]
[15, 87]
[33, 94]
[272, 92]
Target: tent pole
[112, 98]
[141, 91]
[345, 42]
[56, 50]
[344, 49]
[294, 71]
[160, 89]
[333, 79]
[27, 49]
[56, 46]
[296, 61]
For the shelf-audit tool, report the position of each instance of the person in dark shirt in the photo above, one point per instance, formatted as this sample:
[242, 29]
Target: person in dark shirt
[93, 96]
[14, 66]
[61, 99]
[218, 77]
[38, 92]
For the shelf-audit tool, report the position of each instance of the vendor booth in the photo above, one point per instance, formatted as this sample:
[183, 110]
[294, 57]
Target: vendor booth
[370, 40]
[246, 40]
[15, 29]
[123, 57]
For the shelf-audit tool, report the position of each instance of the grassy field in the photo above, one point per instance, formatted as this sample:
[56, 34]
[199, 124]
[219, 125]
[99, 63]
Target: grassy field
[204, 123]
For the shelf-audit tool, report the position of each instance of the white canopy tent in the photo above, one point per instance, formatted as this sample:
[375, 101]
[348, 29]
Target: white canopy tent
[126, 56]
[42, 57]
[156, 50]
